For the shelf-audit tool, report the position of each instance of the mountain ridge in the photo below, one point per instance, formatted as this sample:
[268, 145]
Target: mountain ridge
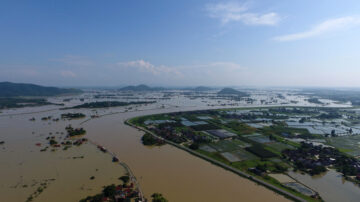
[9, 89]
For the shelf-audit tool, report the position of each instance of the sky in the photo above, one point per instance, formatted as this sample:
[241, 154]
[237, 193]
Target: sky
[181, 43]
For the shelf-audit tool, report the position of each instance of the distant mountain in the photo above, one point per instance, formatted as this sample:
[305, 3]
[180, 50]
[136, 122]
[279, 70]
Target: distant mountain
[141, 87]
[231, 91]
[8, 89]
[202, 88]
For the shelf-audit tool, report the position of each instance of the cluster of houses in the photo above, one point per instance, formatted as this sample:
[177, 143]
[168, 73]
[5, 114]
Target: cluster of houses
[168, 132]
[315, 158]
[124, 193]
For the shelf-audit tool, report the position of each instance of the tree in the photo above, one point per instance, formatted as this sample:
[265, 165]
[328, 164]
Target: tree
[52, 142]
[148, 139]
[332, 132]
[125, 179]
[109, 191]
[157, 197]
[194, 146]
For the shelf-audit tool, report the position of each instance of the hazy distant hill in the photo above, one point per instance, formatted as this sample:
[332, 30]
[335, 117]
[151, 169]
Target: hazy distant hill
[202, 88]
[8, 89]
[231, 91]
[141, 87]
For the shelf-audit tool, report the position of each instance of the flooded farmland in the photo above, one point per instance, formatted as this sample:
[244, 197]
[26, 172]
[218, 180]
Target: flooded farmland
[332, 186]
[176, 174]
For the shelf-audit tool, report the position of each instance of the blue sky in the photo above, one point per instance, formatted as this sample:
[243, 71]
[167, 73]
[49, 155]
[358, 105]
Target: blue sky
[180, 43]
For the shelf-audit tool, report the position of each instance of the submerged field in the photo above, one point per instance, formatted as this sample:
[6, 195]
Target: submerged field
[157, 168]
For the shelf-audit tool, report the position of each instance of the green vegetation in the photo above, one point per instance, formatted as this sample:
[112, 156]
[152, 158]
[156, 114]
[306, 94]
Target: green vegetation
[202, 88]
[240, 128]
[231, 91]
[74, 131]
[148, 139]
[53, 142]
[314, 160]
[113, 193]
[141, 87]
[125, 179]
[156, 197]
[259, 151]
[314, 101]
[43, 185]
[194, 146]
[204, 127]
[22, 102]
[285, 131]
[268, 140]
[8, 89]
[352, 96]
[73, 116]
[106, 104]
[256, 151]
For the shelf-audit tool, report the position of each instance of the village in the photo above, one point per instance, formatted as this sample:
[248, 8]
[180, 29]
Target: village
[266, 142]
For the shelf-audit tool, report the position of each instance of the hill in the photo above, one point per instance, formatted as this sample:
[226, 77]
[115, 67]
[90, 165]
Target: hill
[141, 87]
[8, 89]
[202, 88]
[231, 91]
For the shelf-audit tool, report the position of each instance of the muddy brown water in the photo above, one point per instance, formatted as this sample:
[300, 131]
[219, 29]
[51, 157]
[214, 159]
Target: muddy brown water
[23, 168]
[176, 174]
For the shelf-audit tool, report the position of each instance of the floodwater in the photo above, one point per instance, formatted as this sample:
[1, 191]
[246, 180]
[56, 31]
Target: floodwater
[178, 175]
[330, 185]
[24, 169]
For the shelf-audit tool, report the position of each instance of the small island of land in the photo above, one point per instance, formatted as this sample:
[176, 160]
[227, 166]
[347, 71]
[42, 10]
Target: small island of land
[17, 102]
[106, 104]
[75, 131]
[73, 116]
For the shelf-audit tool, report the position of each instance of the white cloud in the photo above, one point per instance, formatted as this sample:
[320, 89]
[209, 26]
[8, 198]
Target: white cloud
[68, 74]
[233, 11]
[327, 26]
[195, 74]
[145, 66]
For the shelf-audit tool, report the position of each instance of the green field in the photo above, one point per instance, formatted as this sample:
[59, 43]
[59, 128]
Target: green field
[347, 144]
